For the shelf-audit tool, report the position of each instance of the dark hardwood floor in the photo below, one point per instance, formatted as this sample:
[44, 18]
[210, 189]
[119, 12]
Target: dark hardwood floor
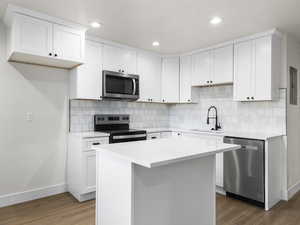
[63, 209]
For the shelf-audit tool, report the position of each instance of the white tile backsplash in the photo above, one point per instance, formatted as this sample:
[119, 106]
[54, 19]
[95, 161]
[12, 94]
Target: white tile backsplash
[142, 115]
[266, 116]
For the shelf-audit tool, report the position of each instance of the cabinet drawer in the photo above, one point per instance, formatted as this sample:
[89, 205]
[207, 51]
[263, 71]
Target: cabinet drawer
[89, 143]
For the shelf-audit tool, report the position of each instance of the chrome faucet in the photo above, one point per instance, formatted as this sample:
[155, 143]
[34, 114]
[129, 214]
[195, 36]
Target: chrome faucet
[217, 125]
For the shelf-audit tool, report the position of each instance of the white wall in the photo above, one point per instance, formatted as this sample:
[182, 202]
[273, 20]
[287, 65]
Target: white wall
[32, 154]
[293, 119]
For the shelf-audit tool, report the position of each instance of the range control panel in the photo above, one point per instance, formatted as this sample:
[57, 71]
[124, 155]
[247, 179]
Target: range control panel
[108, 118]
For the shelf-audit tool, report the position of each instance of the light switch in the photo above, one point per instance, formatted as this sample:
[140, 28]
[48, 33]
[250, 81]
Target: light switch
[29, 116]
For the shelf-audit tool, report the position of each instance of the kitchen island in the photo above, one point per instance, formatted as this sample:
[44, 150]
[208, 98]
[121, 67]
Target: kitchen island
[162, 182]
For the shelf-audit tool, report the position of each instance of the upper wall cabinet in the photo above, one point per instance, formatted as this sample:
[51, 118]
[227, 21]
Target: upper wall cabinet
[37, 40]
[213, 67]
[257, 66]
[119, 59]
[86, 80]
[170, 80]
[185, 93]
[149, 69]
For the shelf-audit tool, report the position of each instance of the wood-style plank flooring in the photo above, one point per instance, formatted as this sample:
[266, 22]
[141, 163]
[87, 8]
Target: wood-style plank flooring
[63, 209]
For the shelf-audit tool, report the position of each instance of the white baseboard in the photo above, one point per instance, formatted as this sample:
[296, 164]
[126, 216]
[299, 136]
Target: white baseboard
[19, 197]
[293, 190]
[220, 190]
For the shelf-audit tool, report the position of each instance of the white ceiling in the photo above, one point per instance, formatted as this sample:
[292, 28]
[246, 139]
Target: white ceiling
[179, 25]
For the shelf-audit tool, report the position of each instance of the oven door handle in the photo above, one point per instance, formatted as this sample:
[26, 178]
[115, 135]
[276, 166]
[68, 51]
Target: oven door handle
[134, 86]
[120, 137]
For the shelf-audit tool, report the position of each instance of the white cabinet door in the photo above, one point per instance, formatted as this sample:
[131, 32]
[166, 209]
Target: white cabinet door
[33, 36]
[219, 170]
[128, 61]
[149, 70]
[86, 80]
[68, 43]
[89, 172]
[262, 69]
[186, 79]
[201, 68]
[170, 79]
[112, 58]
[243, 68]
[222, 61]
[119, 60]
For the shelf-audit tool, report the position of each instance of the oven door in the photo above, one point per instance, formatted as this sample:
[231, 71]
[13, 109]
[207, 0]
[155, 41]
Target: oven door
[120, 86]
[127, 138]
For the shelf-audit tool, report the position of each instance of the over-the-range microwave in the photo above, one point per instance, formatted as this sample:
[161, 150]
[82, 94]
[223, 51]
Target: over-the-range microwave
[120, 86]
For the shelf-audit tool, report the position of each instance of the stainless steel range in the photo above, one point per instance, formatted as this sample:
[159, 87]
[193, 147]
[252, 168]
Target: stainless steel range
[118, 128]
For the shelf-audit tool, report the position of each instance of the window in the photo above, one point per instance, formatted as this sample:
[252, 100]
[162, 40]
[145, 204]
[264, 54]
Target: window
[293, 86]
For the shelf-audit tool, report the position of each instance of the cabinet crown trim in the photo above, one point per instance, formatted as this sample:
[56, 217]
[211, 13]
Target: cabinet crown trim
[13, 9]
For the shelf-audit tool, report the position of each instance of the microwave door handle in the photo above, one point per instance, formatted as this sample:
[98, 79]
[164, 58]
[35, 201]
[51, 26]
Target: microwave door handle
[134, 86]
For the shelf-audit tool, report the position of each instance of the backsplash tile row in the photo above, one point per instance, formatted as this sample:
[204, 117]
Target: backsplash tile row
[141, 114]
[246, 116]
[267, 116]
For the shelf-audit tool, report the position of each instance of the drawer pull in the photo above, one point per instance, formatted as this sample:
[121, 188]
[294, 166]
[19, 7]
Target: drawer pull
[97, 143]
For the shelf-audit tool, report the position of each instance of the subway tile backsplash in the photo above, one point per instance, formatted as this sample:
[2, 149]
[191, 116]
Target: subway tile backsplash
[266, 116]
[244, 116]
[141, 114]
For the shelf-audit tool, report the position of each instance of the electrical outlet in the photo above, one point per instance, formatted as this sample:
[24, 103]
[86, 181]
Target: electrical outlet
[29, 116]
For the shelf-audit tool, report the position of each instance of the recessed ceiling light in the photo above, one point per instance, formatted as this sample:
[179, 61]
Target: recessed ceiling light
[95, 24]
[155, 43]
[216, 20]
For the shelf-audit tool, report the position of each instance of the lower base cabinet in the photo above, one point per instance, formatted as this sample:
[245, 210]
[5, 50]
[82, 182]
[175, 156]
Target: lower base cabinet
[81, 166]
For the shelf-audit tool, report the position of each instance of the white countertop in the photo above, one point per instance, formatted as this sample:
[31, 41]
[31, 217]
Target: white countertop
[89, 134]
[251, 135]
[153, 153]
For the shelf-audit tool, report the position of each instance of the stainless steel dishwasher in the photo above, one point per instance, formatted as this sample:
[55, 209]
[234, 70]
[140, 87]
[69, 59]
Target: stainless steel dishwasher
[244, 170]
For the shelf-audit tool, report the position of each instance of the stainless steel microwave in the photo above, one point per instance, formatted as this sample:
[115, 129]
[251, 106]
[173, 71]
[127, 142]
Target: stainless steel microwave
[120, 86]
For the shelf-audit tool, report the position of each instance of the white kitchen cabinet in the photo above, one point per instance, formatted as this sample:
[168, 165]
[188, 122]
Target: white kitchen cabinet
[68, 43]
[81, 165]
[149, 70]
[213, 67]
[89, 168]
[32, 35]
[222, 65]
[257, 65]
[185, 79]
[40, 39]
[170, 80]
[201, 68]
[119, 59]
[86, 80]
[219, 170]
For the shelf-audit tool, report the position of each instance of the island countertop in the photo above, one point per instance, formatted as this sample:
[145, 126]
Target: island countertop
[153, 153]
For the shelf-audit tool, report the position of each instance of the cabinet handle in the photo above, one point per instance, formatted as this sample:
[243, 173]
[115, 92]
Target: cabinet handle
[189, 100]
[163, 100]
[50, 54]
[248, 98]
[252, 98]
[211, 81]
[55, 55]
[153, 137]
[96, 143]
[207, 82]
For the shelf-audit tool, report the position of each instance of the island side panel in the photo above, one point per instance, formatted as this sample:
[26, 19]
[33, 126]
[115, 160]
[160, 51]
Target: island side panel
[176, 194]
[114, 190]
